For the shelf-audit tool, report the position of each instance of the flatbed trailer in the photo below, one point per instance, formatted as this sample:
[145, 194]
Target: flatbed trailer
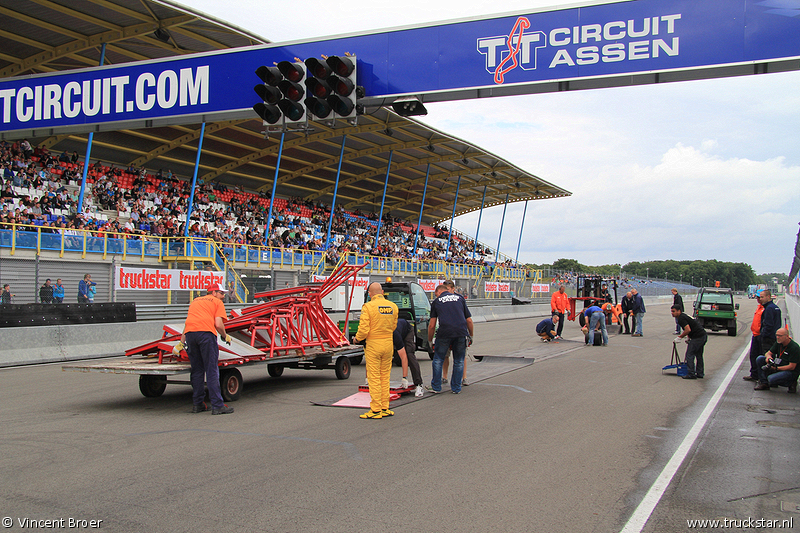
[154, 375]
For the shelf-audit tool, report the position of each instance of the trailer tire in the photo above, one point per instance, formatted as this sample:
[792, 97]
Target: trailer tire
[275, 371]
[152, 386]
[343, 367]
[732, 331]
[230, 384]
[356, 360]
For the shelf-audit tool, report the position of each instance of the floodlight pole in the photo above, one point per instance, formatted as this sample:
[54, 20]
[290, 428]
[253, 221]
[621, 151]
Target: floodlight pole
[335, 191]
[89, 144]
[194, 181]
[452, 218]
[421, 207]
[500, 237]
[521, 226]
[480, 215]
[385, 185]
[274, 186]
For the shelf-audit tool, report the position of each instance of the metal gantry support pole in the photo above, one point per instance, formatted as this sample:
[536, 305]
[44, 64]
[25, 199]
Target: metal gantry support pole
[385, 186]
[521, 226]
[499, 238]
[450, 233]
[274, 185]
[480, 215]
[194, 181]
[335, 191]
[421, 207]
[89, 144]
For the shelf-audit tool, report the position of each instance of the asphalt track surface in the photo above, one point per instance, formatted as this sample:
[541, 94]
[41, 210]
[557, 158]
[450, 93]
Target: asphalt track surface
[572, 443]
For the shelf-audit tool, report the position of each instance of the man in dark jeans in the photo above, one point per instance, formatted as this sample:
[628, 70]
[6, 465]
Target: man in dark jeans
[677, 300]
[455, 327]
[770, 320]
[697, 342]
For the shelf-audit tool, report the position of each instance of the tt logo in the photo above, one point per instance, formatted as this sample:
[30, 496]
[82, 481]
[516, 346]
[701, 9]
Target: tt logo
[504, 53]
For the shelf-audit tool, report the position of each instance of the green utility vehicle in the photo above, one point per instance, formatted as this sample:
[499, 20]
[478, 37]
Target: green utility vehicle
[413, 305]
[714, 309]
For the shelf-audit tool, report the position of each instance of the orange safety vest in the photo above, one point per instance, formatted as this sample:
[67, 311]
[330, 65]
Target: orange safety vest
[559, 302]
[755, 327]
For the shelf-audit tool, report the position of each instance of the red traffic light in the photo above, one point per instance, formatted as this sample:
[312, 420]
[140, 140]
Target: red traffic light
[268, 93]
[341, 66]
[269, 75]
[341, 86]
[292, 71]
[317, 68]
[292, 91]
[318, 87]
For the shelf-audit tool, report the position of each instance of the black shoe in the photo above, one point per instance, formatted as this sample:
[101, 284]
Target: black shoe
[690, 376]
[202, 408]
[761, 386]
[224, 410]
[699, 376]
[792, 388]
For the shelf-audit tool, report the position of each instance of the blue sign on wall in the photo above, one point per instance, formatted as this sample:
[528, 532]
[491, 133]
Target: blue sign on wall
[506, 54]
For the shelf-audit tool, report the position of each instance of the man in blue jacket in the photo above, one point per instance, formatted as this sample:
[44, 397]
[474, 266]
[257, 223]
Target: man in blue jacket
[58, 292]
[638, 312]
[770, 319]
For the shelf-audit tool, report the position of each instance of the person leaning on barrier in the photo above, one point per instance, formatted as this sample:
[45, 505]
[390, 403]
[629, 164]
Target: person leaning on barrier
[696, 341]
[46, 292]
[376, 326]
[780, 366]
[205, 319]
[58, 292]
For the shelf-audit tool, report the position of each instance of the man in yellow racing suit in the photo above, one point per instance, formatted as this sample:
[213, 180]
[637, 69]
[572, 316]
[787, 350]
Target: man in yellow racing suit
[376, 326]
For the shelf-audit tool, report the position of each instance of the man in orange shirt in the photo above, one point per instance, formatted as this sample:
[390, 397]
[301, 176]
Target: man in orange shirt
[206, 319]
[559, 305]
[755, 343]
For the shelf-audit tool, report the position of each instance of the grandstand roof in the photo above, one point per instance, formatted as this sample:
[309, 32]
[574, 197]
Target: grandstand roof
[52, 35]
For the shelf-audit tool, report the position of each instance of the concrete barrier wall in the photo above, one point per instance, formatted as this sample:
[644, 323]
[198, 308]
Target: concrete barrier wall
[793, 312]
[49, 344]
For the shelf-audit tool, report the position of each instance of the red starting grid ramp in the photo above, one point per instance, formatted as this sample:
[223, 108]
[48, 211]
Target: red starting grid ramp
[291, 321]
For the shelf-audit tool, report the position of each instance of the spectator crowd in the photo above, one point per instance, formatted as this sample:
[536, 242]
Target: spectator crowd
[42, 189]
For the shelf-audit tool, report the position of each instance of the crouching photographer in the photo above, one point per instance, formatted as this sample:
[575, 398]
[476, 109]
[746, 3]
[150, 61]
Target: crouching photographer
[779, 366]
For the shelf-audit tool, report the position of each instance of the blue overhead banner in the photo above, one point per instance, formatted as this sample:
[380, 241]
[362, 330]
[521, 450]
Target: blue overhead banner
[511, 54]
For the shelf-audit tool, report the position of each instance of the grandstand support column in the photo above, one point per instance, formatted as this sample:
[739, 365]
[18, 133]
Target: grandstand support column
[421, 208]
[335, 191]
[480, 215]
[194, 180]
[274, 186]
[499, 237]
[452, 218]
[521, 227]
[89, 145]
[383, 198]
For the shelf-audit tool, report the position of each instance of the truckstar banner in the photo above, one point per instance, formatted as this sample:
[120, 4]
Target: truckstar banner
[162, 279]
[540, 287]
[497, 286]
[429, 285]
[589, 46]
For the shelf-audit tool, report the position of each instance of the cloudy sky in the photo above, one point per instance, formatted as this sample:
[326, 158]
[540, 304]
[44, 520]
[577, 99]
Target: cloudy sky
[692, 170]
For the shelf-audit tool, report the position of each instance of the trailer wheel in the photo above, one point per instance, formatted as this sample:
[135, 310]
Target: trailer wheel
[152, 386]
[343, 367]
[732, 331]
[230, 382]
[275, 371]
[355, 361]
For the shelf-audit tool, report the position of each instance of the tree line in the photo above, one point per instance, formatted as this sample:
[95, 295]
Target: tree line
[734, 275]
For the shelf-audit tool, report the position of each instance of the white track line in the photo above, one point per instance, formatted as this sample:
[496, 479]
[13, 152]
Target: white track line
[642, 513]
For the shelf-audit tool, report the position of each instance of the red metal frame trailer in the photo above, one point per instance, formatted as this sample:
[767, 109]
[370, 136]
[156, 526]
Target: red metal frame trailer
[289, 330]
